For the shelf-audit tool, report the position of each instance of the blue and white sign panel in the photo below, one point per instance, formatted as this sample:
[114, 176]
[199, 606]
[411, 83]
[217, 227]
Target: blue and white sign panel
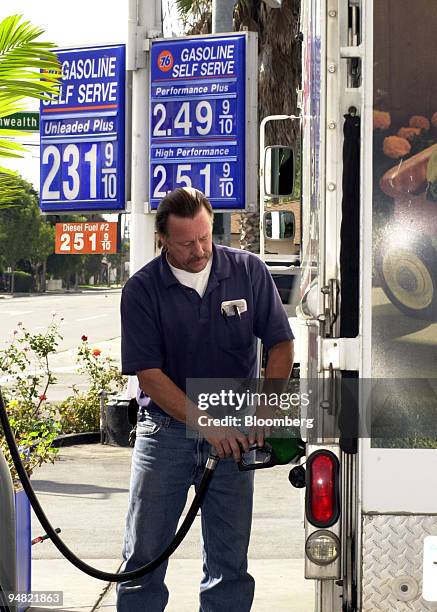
[203, 108]
[82, 133]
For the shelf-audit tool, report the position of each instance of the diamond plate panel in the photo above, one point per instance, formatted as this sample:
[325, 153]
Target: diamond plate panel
[392, 557]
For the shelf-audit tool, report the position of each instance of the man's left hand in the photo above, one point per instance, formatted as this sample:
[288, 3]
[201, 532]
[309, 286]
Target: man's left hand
[258, 433]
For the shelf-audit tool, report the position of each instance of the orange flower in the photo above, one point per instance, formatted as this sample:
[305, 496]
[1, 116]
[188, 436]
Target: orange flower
[396, 147]
[418, 121]
[381, 120]
[408, 132]
[434, 120]
[96, 352]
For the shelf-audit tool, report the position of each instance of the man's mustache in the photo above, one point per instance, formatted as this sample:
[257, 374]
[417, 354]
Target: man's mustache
[206, 256]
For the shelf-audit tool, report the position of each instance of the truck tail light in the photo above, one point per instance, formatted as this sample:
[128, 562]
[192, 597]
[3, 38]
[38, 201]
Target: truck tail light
[322, 494]
[322, 547]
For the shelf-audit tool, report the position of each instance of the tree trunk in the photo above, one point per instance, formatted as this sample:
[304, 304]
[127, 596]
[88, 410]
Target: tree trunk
[12, 280]
[279, 59]
[35, 273]
[44, 276]
[249, 232]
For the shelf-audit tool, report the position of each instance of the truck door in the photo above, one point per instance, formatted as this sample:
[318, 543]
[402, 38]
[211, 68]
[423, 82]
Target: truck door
[398, 455]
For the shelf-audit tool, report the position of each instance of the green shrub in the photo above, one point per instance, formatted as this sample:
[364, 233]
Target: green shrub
[25, 363]
[80, 412]
[24, 282]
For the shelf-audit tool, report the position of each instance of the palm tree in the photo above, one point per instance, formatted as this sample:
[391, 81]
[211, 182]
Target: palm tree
[279, 60]
[28, 69]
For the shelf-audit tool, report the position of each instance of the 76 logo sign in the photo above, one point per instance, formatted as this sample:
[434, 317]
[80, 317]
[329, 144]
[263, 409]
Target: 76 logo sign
[165, 61]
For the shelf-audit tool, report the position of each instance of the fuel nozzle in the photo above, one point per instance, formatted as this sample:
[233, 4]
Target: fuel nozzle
[275, 451]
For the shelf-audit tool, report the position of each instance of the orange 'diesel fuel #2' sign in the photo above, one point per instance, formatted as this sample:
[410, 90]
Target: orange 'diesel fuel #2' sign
[91, 237]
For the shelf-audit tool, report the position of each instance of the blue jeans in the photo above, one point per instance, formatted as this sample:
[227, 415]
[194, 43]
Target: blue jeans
[165, 463]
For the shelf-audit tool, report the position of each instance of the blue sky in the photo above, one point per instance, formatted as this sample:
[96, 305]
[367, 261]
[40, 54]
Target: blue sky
[78, 22]
[69, 24]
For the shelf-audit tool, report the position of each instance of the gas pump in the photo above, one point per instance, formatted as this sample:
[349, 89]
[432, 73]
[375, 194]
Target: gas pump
[8, 565]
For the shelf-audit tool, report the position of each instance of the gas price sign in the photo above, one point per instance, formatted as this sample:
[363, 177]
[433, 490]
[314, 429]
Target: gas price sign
[203, 119]
[86, 238]
[82, 133]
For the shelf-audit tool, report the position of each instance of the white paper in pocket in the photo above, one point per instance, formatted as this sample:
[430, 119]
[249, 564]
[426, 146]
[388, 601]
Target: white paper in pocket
[233, 308]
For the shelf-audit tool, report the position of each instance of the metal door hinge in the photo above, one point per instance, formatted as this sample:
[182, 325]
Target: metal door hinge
[340, 353]
[330, 308]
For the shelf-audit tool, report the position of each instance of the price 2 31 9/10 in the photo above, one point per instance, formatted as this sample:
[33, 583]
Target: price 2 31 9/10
[79, 172]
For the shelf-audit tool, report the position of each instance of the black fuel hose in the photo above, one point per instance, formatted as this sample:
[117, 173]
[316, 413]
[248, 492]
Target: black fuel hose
[3, 601]
[63, 548]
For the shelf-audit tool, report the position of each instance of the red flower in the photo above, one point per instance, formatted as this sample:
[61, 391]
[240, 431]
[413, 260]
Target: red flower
[381, 120]
[396, 147]
[96, 352]
[42, 397]
[418, 121]
[84, 338]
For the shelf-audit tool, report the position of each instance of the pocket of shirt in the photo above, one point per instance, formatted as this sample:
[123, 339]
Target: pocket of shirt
[236, 333]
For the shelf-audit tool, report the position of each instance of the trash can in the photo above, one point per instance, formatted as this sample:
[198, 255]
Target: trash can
[118, 420]
[8, 555]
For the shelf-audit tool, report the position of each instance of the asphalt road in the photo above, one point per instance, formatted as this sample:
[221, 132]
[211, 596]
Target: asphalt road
[85, 493]
[94, 314]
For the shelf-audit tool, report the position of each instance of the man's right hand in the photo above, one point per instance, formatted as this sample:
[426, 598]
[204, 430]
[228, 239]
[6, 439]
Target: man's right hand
[227, 441]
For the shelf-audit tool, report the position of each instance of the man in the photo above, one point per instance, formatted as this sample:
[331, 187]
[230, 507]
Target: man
[175, 327]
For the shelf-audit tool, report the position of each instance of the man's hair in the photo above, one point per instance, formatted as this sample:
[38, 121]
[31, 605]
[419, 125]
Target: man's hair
[183, 202]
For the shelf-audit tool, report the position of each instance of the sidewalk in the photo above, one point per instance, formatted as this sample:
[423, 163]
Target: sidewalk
[88, 289]
[85, 494]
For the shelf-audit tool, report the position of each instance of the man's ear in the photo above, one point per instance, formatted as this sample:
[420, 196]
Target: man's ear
[161, 241]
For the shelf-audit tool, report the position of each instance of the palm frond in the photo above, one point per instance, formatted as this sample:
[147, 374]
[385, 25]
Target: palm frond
[9, 148]
[7, 133]
[10, 188]
[184, 7]
[28, 69]
[10, 106]
[7, 171]
[22, 59]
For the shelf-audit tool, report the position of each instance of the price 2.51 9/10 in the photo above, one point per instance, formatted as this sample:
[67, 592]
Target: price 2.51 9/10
[214, 180]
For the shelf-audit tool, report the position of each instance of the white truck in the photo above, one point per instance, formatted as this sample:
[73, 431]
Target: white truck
[368, 309]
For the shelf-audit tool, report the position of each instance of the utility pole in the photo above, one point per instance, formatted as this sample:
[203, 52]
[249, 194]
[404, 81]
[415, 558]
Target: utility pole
[144, 23]
[222, 21]
[222, 16]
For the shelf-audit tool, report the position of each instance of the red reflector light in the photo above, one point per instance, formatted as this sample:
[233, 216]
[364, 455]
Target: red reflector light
[322, 489]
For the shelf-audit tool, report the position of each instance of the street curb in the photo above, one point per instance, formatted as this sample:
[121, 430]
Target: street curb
[86, 437]
[26, 294]
[8, 296]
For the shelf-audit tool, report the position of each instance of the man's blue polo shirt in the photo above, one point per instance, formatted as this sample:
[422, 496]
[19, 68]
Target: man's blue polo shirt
[169, 326]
